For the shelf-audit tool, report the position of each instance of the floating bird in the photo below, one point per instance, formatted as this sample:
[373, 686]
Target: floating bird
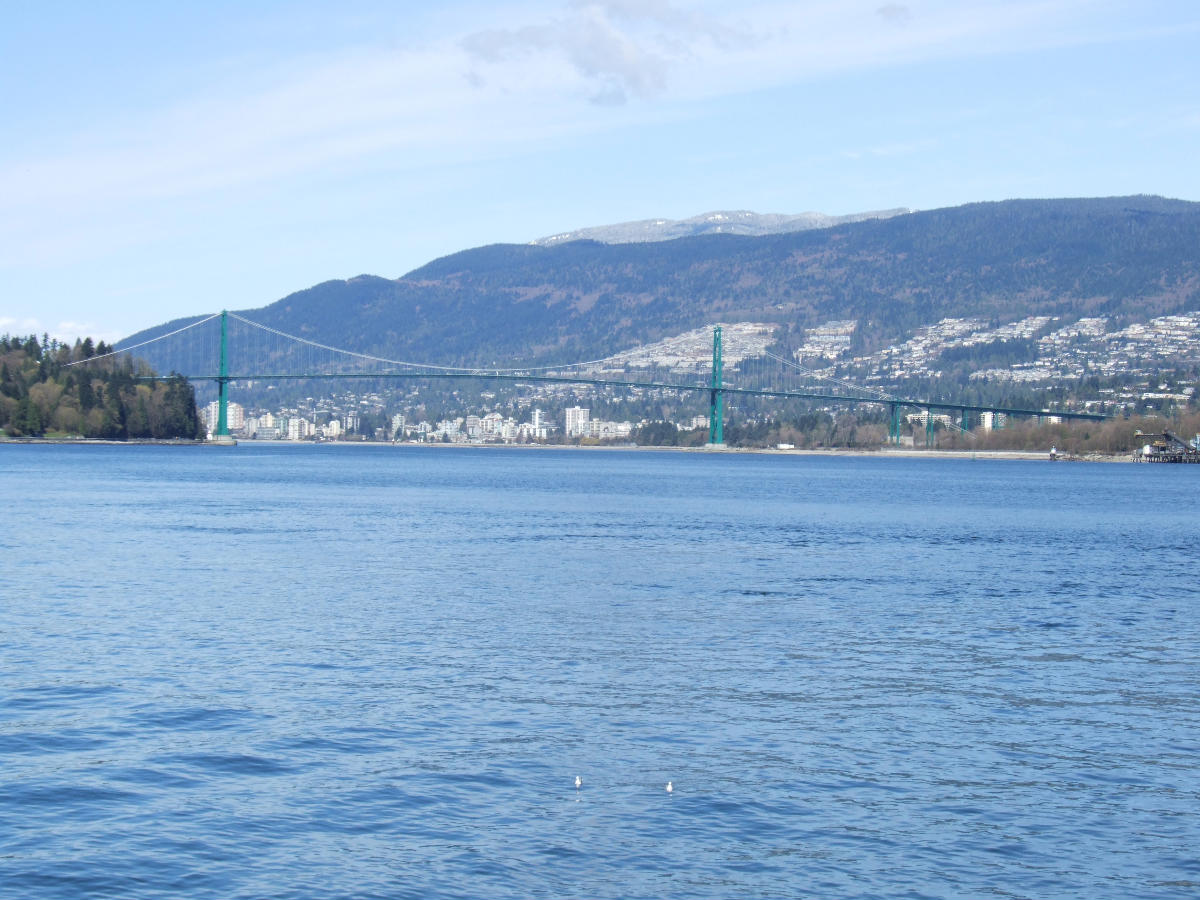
[670, 787]
[578, 782]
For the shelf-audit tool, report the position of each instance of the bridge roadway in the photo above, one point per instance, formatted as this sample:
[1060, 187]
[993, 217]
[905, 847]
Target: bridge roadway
[894, 402]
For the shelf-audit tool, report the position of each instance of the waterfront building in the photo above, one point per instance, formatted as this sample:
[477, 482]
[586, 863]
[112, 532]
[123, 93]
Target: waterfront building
[299, 429]
[577, 421]
[604, 430]
[491, 425]
[924, 417]
[235, 416]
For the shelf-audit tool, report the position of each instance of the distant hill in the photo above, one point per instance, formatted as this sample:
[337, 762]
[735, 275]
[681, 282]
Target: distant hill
[737, 222]
[1129, 259]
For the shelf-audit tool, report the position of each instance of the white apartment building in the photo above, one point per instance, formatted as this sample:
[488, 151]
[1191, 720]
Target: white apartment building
[235, 416]
[491, 424]
[299, 429]
[599, 428]
[577, 421]
[924, 417]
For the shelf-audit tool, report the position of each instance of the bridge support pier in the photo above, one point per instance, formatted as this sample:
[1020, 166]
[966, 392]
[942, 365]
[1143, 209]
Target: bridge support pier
[894, 425]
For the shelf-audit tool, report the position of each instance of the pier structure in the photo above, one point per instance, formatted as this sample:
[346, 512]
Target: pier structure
[1166, 447]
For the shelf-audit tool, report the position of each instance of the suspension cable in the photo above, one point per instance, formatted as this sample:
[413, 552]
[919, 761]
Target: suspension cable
[161, 337]
[399, 362]
[850, 386]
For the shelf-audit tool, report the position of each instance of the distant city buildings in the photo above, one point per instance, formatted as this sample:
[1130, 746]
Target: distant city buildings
[477, 428]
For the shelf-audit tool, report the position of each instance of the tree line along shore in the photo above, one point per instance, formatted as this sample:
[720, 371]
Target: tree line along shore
[49, 388]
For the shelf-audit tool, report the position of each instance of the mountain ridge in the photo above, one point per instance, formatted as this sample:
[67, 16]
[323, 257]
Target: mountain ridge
[744, 222]
[1123, 259]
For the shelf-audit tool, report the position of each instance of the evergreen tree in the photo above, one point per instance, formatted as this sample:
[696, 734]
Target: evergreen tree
[8, 385]
[87, 396]
[180, 419]
[138, 422]
[113, 425]
[28, 419]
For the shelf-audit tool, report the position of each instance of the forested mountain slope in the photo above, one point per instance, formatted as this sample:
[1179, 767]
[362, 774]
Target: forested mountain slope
[1127, 258]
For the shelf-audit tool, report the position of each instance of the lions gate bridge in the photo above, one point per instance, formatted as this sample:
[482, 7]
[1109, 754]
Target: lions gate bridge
[227, 348]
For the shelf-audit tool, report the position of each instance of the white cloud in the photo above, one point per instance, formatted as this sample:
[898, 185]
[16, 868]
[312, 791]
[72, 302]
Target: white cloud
[22, 326]
[620, 48]
[478, 94]
[64, 332]
[68, 331]
[364, 110]
[894, 13]
[624, 51]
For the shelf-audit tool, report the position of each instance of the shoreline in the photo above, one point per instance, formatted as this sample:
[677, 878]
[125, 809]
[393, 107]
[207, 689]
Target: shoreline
[880, 453]
[107, 442]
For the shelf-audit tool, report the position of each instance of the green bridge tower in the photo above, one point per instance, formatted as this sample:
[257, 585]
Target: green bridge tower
[716, 395]
[222, 435]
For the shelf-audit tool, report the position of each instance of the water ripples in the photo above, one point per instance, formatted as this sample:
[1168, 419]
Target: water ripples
[375, 672]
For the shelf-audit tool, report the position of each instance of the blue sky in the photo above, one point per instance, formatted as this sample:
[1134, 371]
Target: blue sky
[161, 160]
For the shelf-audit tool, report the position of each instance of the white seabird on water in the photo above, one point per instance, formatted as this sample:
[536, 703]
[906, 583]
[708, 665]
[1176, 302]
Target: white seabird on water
[578, 782]
[670, 787]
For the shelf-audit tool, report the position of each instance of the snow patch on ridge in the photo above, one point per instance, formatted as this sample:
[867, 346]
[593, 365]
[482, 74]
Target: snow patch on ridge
[742, 222]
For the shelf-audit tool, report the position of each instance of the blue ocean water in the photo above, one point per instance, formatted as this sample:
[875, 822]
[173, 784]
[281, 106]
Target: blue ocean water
[374, 672]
